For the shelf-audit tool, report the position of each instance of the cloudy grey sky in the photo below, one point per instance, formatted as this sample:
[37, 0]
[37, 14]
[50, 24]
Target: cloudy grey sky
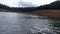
[25, 3]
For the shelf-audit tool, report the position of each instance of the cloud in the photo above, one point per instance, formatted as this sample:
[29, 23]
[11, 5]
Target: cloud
[11, 3]
[26, 4]
[34, 3]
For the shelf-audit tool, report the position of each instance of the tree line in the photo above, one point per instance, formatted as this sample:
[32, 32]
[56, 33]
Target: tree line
[53, 5]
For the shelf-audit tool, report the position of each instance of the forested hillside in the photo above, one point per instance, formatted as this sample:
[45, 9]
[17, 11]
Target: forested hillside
[54, 5]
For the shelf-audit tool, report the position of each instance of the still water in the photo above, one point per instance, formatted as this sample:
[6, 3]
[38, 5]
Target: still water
[18, 23]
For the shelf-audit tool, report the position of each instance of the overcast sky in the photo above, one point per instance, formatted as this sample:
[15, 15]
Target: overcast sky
[25, 3]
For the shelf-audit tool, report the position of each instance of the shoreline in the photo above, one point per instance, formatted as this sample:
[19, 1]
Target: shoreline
[49, 13]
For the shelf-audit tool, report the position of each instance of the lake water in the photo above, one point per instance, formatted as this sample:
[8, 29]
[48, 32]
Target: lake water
[18, 23]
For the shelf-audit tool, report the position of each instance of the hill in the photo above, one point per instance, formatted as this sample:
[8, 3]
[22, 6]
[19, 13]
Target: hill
[54, 5]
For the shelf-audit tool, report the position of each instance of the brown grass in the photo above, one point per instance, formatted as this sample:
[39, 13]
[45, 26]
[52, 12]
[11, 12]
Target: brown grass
[49, 13]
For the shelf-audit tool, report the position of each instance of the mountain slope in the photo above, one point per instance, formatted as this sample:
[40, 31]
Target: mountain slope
[54, 5]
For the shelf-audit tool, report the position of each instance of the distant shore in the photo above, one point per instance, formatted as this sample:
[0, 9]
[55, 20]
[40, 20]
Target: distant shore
[49, 13]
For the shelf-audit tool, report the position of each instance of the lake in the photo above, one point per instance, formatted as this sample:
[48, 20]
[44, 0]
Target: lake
[19, 23]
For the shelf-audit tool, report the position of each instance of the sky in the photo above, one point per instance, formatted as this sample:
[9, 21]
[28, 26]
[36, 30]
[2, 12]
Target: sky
[25, 3]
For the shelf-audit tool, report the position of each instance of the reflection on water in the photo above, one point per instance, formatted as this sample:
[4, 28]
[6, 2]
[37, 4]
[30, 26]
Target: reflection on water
[17, 23]
[55, 26]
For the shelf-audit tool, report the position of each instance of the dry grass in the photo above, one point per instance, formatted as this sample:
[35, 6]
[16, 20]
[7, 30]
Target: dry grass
[49, 13]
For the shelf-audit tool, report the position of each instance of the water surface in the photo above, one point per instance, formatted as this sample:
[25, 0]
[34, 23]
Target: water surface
[18, 23]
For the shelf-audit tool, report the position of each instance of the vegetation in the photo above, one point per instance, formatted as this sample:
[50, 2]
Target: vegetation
[54, 5]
